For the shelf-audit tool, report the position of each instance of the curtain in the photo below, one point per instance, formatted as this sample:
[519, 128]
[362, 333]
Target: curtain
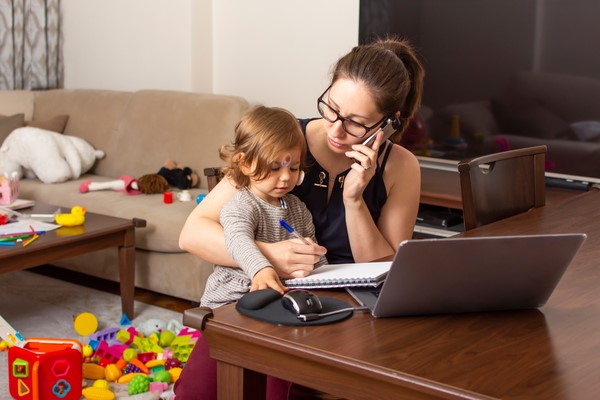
[30, 45]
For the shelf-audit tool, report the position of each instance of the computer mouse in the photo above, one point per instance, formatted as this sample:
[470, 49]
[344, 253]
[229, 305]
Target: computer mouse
[301, 302]
[258, 299]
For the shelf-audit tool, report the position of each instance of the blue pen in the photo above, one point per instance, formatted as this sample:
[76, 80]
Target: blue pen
[7, 244]
[292, 231]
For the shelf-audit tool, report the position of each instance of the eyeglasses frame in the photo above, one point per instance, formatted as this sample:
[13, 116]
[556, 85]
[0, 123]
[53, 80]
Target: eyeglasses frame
[343, 119]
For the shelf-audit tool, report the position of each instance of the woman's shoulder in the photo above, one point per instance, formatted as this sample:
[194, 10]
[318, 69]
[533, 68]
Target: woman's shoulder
[401, 164]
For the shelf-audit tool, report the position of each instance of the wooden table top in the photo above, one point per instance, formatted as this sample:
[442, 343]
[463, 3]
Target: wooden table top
[550, 353]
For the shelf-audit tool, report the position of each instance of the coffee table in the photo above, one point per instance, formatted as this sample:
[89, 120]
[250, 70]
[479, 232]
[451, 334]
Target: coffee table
[97, 233]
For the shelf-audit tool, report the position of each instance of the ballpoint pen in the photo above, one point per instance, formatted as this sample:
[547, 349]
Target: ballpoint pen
[291, 230]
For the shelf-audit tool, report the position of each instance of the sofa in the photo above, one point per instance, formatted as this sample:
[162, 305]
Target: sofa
[138, 131]
[560, 111]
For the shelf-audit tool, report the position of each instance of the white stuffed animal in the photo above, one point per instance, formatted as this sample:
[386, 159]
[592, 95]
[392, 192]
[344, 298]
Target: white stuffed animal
[52, 157]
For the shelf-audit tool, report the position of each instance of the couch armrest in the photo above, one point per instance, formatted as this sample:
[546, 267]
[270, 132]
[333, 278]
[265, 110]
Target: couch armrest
[213, 176]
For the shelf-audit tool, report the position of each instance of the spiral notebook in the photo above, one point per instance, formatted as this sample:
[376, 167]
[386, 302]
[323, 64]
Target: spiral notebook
[343, 275]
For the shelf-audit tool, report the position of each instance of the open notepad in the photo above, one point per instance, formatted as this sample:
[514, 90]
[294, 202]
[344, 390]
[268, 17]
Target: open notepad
[343, 275]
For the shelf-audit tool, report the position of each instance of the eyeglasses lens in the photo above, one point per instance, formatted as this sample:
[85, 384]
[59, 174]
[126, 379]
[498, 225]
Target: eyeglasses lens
[348, 125]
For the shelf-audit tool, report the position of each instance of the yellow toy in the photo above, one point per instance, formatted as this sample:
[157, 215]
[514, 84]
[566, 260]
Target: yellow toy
[75, 218]
[85, 324]
[97, 393]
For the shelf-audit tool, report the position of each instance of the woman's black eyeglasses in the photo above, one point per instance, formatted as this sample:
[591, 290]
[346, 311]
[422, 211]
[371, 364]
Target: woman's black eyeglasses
[351, 127]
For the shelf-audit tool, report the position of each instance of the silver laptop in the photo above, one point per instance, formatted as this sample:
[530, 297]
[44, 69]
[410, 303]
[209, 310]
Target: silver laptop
[456, 275]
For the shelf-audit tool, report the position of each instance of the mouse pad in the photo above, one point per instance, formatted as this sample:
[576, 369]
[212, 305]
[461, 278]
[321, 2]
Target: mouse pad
[265, 305]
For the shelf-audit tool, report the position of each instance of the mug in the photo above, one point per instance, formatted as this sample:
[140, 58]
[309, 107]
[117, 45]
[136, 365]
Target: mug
[184, 195]
[168, 197]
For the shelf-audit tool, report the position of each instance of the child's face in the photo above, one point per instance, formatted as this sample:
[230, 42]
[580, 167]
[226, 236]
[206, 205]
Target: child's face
[285, 171]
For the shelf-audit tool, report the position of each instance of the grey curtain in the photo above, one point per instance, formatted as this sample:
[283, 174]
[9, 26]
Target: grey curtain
[30, 45]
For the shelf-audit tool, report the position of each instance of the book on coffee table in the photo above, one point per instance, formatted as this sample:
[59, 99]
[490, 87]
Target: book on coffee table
[20, 204]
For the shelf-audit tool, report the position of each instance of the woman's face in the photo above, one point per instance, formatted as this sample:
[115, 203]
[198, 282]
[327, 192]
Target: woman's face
[352, 100]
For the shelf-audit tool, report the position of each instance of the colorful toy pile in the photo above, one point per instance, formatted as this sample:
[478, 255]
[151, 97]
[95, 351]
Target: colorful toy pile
[147, 358]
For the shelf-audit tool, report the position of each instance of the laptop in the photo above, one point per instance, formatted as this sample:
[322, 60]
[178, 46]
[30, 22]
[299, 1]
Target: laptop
[472, 274]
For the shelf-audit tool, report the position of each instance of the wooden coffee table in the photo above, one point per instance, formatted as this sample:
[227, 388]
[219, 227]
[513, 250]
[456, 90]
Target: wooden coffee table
[97, 233]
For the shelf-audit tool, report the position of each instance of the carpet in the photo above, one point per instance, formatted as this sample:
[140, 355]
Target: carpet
[44, 307]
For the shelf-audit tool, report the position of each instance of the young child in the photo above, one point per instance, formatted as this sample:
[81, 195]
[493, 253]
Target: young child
[265, 162]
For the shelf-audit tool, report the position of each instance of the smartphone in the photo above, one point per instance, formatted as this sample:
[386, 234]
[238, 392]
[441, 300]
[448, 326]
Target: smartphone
[388, 130]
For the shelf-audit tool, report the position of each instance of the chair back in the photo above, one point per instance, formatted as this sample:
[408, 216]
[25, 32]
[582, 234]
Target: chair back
[499, 185]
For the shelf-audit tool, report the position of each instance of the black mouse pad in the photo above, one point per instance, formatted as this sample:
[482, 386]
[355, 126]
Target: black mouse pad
[265, 305]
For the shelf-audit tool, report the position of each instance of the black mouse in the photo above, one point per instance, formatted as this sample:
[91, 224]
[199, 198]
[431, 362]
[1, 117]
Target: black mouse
[301, 302]
[258, 299]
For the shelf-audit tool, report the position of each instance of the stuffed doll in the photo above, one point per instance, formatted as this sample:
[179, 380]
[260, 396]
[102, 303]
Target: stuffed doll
[51, 157]
[170, 174]
[178, 175]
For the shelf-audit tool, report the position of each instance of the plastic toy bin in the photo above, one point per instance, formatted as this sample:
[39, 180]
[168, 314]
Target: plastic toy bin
[9, 189]
[45, 369]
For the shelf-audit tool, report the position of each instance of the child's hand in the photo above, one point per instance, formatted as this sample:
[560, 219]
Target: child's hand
[267, 278]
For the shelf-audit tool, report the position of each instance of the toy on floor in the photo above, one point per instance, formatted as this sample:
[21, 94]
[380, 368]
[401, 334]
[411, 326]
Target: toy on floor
[74, 218]
[42, 368]
[170, 174]
[85, 324]
[51, 157]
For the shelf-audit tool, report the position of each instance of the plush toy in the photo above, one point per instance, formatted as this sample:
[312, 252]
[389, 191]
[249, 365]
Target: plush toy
[52, 157]
[170, 174]
[155, 325]
[178, 175]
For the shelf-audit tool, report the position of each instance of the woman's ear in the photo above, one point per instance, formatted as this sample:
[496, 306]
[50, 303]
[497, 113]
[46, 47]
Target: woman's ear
[300, 178]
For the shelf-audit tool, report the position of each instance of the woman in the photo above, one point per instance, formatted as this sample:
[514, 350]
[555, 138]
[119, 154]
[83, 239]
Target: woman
[363, 199]
[371, 82]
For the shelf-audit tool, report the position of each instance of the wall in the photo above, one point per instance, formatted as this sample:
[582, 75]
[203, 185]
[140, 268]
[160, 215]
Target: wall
[267, 51]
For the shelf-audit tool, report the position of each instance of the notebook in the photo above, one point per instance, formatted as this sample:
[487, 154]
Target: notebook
[343, 275]
[455, 275]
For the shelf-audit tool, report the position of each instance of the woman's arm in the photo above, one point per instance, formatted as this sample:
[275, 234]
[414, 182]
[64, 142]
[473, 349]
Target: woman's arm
[402, 178]
[202, 235]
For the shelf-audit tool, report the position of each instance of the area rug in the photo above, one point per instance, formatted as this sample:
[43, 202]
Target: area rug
[43, 307]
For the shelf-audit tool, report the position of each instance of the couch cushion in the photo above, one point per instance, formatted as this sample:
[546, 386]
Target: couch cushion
[9, 124]
[160, 125]
[94, 115]
[16, 102]
[164, 221]
[527, 117]
[55, 124]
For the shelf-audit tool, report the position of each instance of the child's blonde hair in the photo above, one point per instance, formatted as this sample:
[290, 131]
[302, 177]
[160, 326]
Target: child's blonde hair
[261, 136]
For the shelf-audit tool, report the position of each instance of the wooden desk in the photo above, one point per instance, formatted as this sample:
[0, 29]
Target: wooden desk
[551, 353]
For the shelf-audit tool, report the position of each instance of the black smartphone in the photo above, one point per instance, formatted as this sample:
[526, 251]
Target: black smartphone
[388, 130]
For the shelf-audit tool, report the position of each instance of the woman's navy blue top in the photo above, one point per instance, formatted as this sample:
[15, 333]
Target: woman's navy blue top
[329, 217]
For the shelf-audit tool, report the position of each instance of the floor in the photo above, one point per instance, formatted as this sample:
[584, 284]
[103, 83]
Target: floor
[145, 296]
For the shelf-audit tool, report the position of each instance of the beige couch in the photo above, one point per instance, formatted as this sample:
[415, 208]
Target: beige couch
[138, 132]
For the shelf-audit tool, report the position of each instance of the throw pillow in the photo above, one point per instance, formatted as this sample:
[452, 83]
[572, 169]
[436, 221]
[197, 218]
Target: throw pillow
[9, 124]
[55, 124]
[527, 117]
[586, 131]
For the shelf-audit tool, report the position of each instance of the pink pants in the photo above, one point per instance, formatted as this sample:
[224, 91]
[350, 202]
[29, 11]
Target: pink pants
[198, 379]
